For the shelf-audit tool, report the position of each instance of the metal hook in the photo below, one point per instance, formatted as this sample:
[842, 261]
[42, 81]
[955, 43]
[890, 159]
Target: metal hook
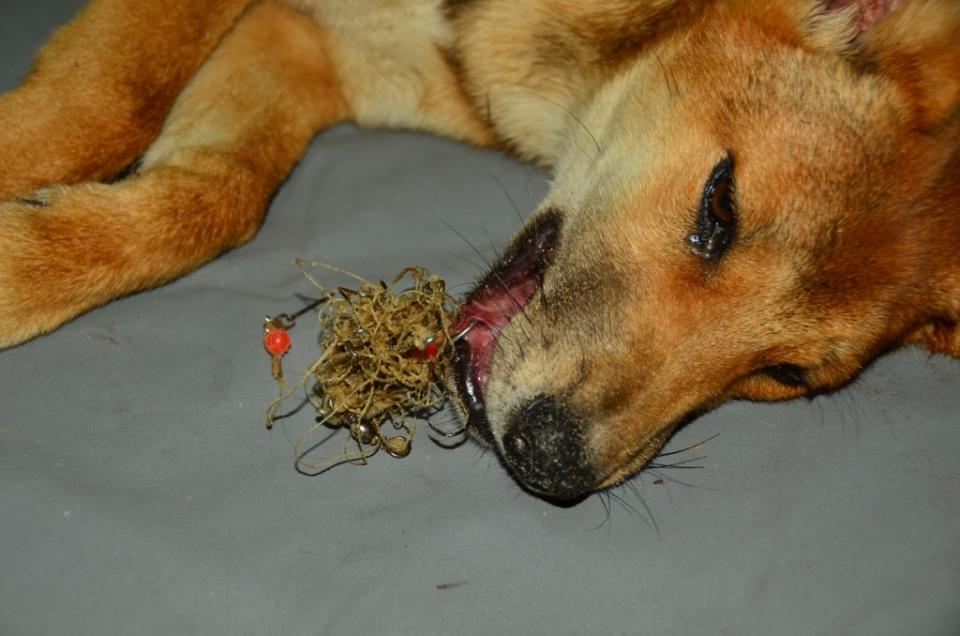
[456, 337]
[287, 321]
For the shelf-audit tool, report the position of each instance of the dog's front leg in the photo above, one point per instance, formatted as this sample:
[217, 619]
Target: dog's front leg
[231, 138]
[101, 88]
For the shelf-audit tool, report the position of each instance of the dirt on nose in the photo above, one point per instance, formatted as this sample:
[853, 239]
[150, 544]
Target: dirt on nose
[544, 447]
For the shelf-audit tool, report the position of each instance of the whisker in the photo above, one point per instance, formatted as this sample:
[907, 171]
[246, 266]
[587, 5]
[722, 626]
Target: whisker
[622, 502]
[509, 198]
[684, 450]
[674, 480]
[643, 502]
[575, 118]
[672, 87]
[686, 464]
[473, 247]
[606, 511]
[466, 260]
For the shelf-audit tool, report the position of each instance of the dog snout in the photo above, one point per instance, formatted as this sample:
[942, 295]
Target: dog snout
[544, 446]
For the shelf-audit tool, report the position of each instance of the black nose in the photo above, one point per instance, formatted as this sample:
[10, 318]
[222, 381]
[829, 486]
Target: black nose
[544, 445]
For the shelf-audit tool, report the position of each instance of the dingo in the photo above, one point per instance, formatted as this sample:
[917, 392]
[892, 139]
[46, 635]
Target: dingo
[751, 199]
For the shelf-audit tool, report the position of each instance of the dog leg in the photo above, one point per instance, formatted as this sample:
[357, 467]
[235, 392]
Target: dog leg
[232, 137]
[102, 87]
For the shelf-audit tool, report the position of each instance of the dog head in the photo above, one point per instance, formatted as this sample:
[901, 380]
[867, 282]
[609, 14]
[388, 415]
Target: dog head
[754, 206]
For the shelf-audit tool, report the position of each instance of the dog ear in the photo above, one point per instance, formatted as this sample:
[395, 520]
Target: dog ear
[916, 46]
[868, 12]
[910, 42]
[838, 25]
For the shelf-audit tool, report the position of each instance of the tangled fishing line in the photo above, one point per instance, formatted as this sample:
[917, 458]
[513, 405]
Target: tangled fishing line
[384, 356]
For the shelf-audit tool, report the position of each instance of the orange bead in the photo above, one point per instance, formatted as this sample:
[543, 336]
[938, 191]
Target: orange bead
[277, 342]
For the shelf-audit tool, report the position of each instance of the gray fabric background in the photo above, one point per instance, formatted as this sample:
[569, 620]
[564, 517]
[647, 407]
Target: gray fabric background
[141, 494]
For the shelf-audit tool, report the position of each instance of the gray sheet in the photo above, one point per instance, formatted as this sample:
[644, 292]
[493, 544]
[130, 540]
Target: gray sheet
[141, 494]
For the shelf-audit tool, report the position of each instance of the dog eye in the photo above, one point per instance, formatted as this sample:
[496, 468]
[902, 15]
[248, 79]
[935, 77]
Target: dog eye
[717, 217]
[787, 374]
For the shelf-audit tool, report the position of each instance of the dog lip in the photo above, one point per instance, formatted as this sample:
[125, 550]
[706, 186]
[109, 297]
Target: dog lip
[470, 392]
[490, 307]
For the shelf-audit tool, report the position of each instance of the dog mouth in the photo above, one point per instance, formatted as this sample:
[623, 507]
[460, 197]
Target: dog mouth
[502, 294]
